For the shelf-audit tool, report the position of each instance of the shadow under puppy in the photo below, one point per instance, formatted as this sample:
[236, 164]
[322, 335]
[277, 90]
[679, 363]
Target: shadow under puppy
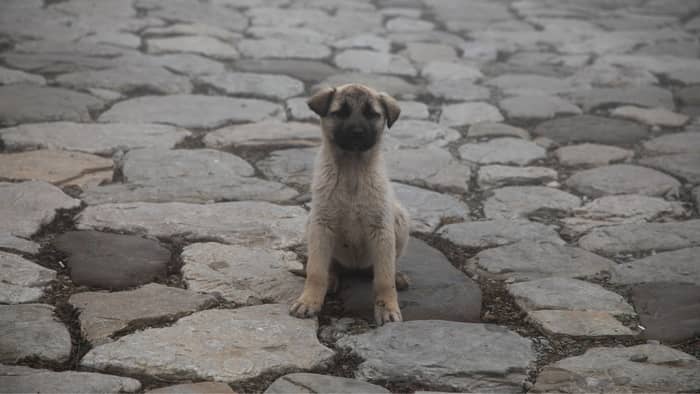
[355, 221]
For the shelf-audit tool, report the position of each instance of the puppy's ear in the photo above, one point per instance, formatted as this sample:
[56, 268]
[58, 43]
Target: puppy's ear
[321, 101]
[391, 108]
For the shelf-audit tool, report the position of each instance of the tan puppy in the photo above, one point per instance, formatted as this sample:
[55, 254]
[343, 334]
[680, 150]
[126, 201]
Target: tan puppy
[355, 219]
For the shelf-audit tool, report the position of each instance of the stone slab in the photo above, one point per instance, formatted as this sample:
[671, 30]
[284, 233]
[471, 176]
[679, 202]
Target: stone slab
[24, 103]
[578, 323]
[651, 116]
[685, 166]
[488, 129]
[203, 45]
[467, 114]
[623, 179]
[223, 344]
[241, 274]
[591, 155]
[678, 266]
[95, 138]
[22, 281]
[103, 314]
[498, 175]
[499, 232]
[502, 151]
[32, 330]
[528, 260]
[641, 368]
[55, 166]
[272, 133]
[246, 222]
[270, 86]
[112, 261]
[292, 166]
[194, 388]
[667, 310]
[393, 85]
[685, 142]
[309, 383]
[128, 79]
[642, 237]
[428, 209]
[590, 128]
[19, 379]
[415, 134]
[437, 290]
[534, 107]
[192, 111]
[429, 167]
[643, 96]
[512, 202]
[496, 359]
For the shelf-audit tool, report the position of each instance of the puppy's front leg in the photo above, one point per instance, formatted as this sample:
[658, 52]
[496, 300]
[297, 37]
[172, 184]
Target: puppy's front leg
[320, 244]
[386, 301]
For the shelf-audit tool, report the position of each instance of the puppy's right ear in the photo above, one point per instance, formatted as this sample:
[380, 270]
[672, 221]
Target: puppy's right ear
[321, 101]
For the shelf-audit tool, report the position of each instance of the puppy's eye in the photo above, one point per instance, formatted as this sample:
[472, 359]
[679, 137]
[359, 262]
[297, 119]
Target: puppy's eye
[343, 112]
[370, 113]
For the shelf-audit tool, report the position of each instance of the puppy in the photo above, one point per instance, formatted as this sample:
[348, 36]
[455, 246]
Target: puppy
[355, 219]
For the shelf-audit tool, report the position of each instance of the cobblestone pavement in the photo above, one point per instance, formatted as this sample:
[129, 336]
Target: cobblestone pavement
[155, 159]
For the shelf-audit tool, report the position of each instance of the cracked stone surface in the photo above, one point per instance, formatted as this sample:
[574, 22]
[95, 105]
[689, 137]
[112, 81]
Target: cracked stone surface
[31, 330]
[104, 314]
[433, 343]
[18, 379]
[223, 345]
[545, 145]
[313, 383]
[240, 274]
[22, 281]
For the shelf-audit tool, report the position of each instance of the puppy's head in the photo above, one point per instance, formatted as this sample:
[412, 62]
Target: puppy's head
[353, 116]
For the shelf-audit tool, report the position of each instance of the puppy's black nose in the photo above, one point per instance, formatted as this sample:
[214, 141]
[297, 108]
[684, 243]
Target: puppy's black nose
[357, 131]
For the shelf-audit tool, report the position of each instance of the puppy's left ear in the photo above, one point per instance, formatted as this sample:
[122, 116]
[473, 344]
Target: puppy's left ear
[321, 101]
[391, 108]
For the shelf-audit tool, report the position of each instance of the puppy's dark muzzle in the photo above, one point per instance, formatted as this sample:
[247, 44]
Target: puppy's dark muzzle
[355, 138]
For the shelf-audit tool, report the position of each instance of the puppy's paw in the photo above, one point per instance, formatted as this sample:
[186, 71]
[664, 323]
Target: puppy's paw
[304, 308]
[386, 312]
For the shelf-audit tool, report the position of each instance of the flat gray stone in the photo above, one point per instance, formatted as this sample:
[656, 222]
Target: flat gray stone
[224, 345]
[533, 107]
[414, 110]
[393, 85]
[291, 166]
[408, 24]
[623, 179]
[309, 383]
[240, 274]
[305, 70]
[251, 84]
[424, 52]
[512, 202]
[689, 95]
[240, 223]
[651, 116]
[18, 379]
[128, 79]
[641, 368]
[192, 111]
[187, 175]
[31, 330]
[667, 310]
[21, 280]
[276, 48]
[188, 64]
[273, 133]
[298, 109]
[11, 77]
[466, 114]
[58, 167]
[499, 232]
[487, 129]
[364, 41]
[104, 314]
[589, 128]
[591, 155]
[578, 323]
[568, 295]
[430, 167]
[642, 237]
[23, 103]
[441, 70]
[112, 261]
[643, 96]
[374, 62]
[429, 209]
[194, 388]
[419, 134]
[528, 260]
[95, 138]
[26, 207]
[458, 90]
[685, 142]
[202, 45]
[497, 361]
[502, 150]
[685, 166]
[498, 175]
[199, 13]
[678, 266]
[527, 84]
[19, 244]
[437, 290]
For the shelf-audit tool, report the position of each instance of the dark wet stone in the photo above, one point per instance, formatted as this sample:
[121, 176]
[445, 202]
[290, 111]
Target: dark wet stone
[669, 311]
[438, 291]
[589, 128]
[112, 261]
